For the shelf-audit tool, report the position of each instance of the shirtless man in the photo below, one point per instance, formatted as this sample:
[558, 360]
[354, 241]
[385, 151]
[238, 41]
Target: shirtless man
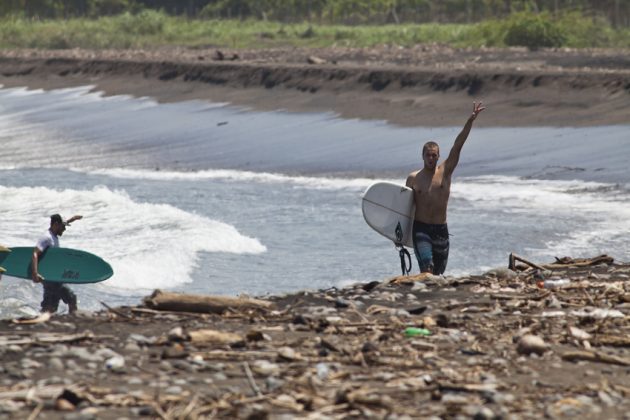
[432, 187]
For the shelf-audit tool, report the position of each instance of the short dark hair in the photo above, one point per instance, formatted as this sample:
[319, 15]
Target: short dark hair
[430, 144]
[56, 218]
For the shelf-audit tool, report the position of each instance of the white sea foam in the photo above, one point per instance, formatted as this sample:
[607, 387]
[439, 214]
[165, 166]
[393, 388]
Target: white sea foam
[149, 245]
[593, 215]
[323, 183]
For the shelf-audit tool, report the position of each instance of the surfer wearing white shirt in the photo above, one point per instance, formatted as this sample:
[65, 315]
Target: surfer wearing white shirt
[53, 291]
[432, 188]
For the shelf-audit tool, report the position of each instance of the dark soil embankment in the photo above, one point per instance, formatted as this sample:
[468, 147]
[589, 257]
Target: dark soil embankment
[410, 86]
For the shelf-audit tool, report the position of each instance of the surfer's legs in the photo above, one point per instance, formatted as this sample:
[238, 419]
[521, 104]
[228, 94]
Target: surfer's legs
[431, 246]
[424, 251]
[440, 253]
[69, 298]
[423, 246]
[50, 303]
[53, 293]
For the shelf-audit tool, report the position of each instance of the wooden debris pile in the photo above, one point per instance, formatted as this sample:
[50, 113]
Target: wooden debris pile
[531, 340]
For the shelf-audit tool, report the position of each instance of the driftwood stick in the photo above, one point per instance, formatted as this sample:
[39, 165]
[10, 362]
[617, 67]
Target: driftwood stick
[110, 309]
[567, 262]
[179, 302]
[594, 356]
[613, 341]
[48, 339]
[250, 379]
[36, 411]
[513, 257]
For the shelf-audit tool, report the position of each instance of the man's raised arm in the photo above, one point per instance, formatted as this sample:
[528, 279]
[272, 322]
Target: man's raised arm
[453, 157]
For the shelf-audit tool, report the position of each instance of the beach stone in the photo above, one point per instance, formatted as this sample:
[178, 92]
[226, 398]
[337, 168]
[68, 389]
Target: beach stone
[219, 376]
[419, 287]
[55, 363]
[502, 273]
[141, 339]
[115, 363]
[10, 406]
[321, 310]
[531, 344]
[30, 364]
[176, 334]
[265, 368]
[402, 312]
[272, 383]
[135, 381]
[82, 354]
[132, 347]
[341, 303]
[80, 416]
[184, 365]
[54, 380]
[72, 365]
[145, 411]
[61, 404]
[175, 390]
[288, 354]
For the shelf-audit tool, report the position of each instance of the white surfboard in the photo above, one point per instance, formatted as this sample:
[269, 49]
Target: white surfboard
[389, 209]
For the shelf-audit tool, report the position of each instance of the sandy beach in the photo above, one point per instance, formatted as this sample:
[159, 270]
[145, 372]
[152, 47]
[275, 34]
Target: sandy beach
[543, 339]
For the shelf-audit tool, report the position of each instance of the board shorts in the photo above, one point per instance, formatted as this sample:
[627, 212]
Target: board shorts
[430, 244]
[53, 293]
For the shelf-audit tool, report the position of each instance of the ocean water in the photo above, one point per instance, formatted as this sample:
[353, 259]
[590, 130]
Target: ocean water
[203, 197]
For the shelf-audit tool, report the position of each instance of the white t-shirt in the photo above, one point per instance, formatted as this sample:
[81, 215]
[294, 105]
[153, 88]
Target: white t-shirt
[48, 240]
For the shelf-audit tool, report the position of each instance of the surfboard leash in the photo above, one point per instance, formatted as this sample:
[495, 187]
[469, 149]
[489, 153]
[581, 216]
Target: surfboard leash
[404, 258]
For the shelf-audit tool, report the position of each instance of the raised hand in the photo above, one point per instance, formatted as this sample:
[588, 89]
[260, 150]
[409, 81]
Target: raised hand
[477, 108]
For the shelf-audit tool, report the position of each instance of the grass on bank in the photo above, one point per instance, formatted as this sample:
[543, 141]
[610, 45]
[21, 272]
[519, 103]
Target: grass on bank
[151, 29]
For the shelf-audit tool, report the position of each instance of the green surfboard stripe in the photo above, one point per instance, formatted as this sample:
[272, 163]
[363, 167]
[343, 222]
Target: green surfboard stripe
[64, 265]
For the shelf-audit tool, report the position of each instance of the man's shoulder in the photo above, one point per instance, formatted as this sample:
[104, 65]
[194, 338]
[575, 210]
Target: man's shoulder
[45, 241]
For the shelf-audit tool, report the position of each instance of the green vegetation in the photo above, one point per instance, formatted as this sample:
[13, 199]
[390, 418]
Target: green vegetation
[145, 28]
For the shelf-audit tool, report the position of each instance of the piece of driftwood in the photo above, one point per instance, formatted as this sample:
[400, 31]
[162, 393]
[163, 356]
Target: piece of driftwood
[315, 60]
[512, 262]
[594, 356]
[114, 311]
[213, 337]
[43, 317]
[168, 301]
[567, 262]
[410, 279]
[613, 341]
[47, 339]
[250, 379]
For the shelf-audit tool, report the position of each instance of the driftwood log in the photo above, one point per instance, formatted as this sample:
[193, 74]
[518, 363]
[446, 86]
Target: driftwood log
[179, 302]
[594, 356]
[561, 263]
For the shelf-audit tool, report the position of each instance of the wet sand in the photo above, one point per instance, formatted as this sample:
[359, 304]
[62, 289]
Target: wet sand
[425, 85]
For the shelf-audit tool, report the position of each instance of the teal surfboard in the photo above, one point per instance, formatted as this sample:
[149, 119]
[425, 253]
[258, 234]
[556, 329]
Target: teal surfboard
[63, 265]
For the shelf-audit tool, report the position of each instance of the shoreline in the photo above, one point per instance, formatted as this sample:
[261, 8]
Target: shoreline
[409, 87]
[495, 345]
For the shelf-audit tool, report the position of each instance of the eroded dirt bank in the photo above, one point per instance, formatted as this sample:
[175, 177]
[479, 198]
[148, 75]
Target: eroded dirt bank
[428, 85]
